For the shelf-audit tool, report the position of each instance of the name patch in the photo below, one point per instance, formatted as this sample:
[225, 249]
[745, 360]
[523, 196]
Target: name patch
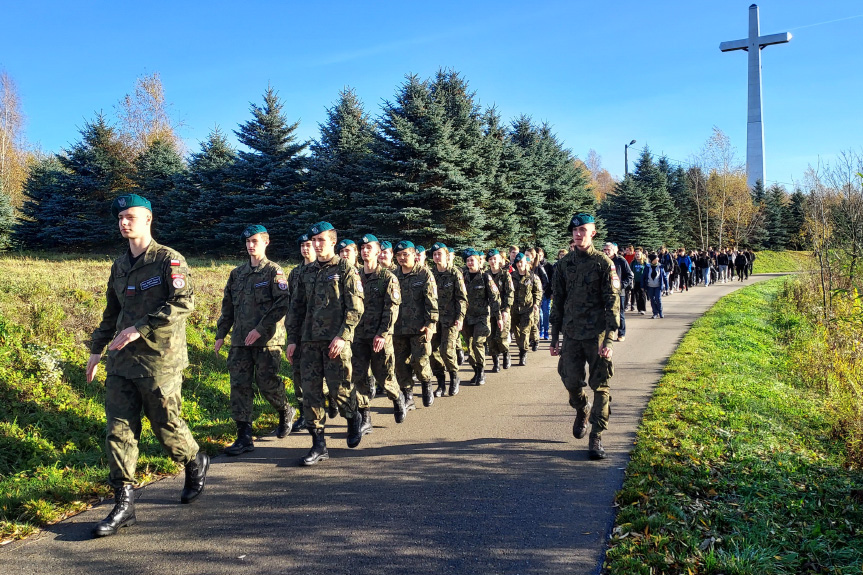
[152, 282]
[262, 284]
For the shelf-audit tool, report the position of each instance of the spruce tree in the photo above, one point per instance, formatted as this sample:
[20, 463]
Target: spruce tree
[43, 184]
[501, 227]
[7, 219]
[628, 216]
[774, 218]
[759, 237]
[654, 184]
[158, 170]
[795, 220]
[684, 203]
[528, 183]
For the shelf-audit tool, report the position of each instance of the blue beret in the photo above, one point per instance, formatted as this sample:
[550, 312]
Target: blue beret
[303, 239]
[386, 246]
[438, 246]
[420, 249]
[252, 230]
[492, 252]
[451, 250]
[367, 239]
[580, 219]
[520, 257]
[404, 245]
[320, 228]
[344, 243]
[126, 201]
[470, 252]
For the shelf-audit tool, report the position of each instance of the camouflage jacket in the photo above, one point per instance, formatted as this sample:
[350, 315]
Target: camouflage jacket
[586, 301]
[255, 298]
[451, 295]
[381, 301]
[327, 304]
[482, 295]
[507, 290]
[528, 292]
[419, 301]
[155, 295]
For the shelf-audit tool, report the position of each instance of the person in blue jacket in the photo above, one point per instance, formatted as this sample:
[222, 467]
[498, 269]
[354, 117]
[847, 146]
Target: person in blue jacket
[654, 280]
[684, 262]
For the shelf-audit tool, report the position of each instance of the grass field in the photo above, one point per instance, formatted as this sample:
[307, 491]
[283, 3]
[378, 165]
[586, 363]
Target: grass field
[774, 262]
[735, 470]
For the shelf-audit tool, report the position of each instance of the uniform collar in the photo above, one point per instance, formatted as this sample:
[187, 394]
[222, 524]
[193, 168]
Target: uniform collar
[148, 257]
[249, 268]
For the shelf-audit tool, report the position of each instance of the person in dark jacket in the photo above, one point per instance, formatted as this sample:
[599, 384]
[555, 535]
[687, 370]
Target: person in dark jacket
[545, 306]
[624, 272]
[741, 262]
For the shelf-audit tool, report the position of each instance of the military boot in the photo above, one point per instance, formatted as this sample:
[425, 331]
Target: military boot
[366, 425]
[196, 477]
[595, 450]
[332, 408]
[480, 376]
[286, 416]
[454, 382]
[495, 363]
[318, 452]
[300, 423]
[428, 396]
[475, 375]
[409, 399]
[507, 362]
[459, 355]
[579, 426]
[522, 358]
[399, 408]
[122, 515]
[534, 345]
[354, 425]
[244, 441]
[441, 385]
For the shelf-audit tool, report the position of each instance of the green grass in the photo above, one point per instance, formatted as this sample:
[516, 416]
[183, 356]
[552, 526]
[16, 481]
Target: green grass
[52, 422]
[734, 469]
[774, 262]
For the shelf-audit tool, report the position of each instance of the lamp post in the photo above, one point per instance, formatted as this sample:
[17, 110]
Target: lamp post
[626, 158]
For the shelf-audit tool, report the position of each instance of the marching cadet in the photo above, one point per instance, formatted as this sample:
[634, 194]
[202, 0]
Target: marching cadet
[254, 304]
[307, 250]
[586, 309]
[415, 326]
[386, 257]
[324, 313]
[528, 296]
[421, 256]
[452, 305]
[483, 298]
[373, 340]
[347, 250]
[149, 296]
[499, 340]
[541, 279]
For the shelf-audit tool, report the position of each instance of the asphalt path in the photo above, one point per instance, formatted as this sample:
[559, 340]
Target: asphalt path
[490, 481]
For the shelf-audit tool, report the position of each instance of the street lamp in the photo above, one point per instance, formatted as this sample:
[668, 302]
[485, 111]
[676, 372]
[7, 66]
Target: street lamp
[626, 158]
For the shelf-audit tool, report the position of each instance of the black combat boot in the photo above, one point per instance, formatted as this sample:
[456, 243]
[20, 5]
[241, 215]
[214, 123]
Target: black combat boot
[522, 358]
[244, 441]
[318, 452]
[196, 476]
[441, 385]
[409, 399]
[475, 375]
[459, 355]
[366, 425]
[495, 363]
[507, 362]
[354, 425]
[480, 376]
[300, 423]
[428, 396]
[286, 416]
[534, 345]
[579, 426]
[399, 409]
[595, 450]
[454, 382]
[333, 409]
[123, 514]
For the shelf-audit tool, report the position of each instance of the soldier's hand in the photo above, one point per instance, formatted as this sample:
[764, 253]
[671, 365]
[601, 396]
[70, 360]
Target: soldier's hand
[93, 366]
[458, 325]
[605, 352]
[253, 336]
[336, 347]
[500, 323]
[504, 315]
[554, 350]
[218, 345]
[289, 352]
[378, 344]
[124, 338]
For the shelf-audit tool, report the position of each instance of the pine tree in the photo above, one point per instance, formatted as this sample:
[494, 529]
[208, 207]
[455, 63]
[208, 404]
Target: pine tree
[655, 185]
[628, 216]
[501, 227]
[338, 172]
[759, 237]
[528, 185]
[681, 195]
[158, 170]
[774, 218]
[795, 220]
[43, 184]
[7, 219]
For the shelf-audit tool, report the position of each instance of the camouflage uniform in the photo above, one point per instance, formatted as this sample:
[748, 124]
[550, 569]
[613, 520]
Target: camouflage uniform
[528, 294]
[586, 310]
[482, 295]
[382, 297]
[297, 359]
[418, 310]
[499, 340]
[255, 298]
[155, 295]
[327, 304]
[452, 305]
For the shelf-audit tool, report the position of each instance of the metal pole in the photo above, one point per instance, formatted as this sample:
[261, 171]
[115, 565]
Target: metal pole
[625, 160]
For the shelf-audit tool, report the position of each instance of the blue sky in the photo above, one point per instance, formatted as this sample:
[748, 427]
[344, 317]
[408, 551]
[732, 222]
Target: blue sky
[602, 73]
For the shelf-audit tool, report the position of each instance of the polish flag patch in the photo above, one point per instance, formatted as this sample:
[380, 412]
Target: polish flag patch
[175, 262]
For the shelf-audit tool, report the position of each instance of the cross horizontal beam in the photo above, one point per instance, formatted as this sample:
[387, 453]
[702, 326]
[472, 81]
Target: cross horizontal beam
[761, 41]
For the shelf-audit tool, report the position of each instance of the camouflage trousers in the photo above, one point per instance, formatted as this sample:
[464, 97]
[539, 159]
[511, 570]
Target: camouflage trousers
[523, 325]
[317, 365]
[498, 341]
[382, 365]
[476, 334]
[575, 357]
[255, 365]
[534, 325]
[297, 373]
[160, 400]
[412, 357]
[443, 350]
